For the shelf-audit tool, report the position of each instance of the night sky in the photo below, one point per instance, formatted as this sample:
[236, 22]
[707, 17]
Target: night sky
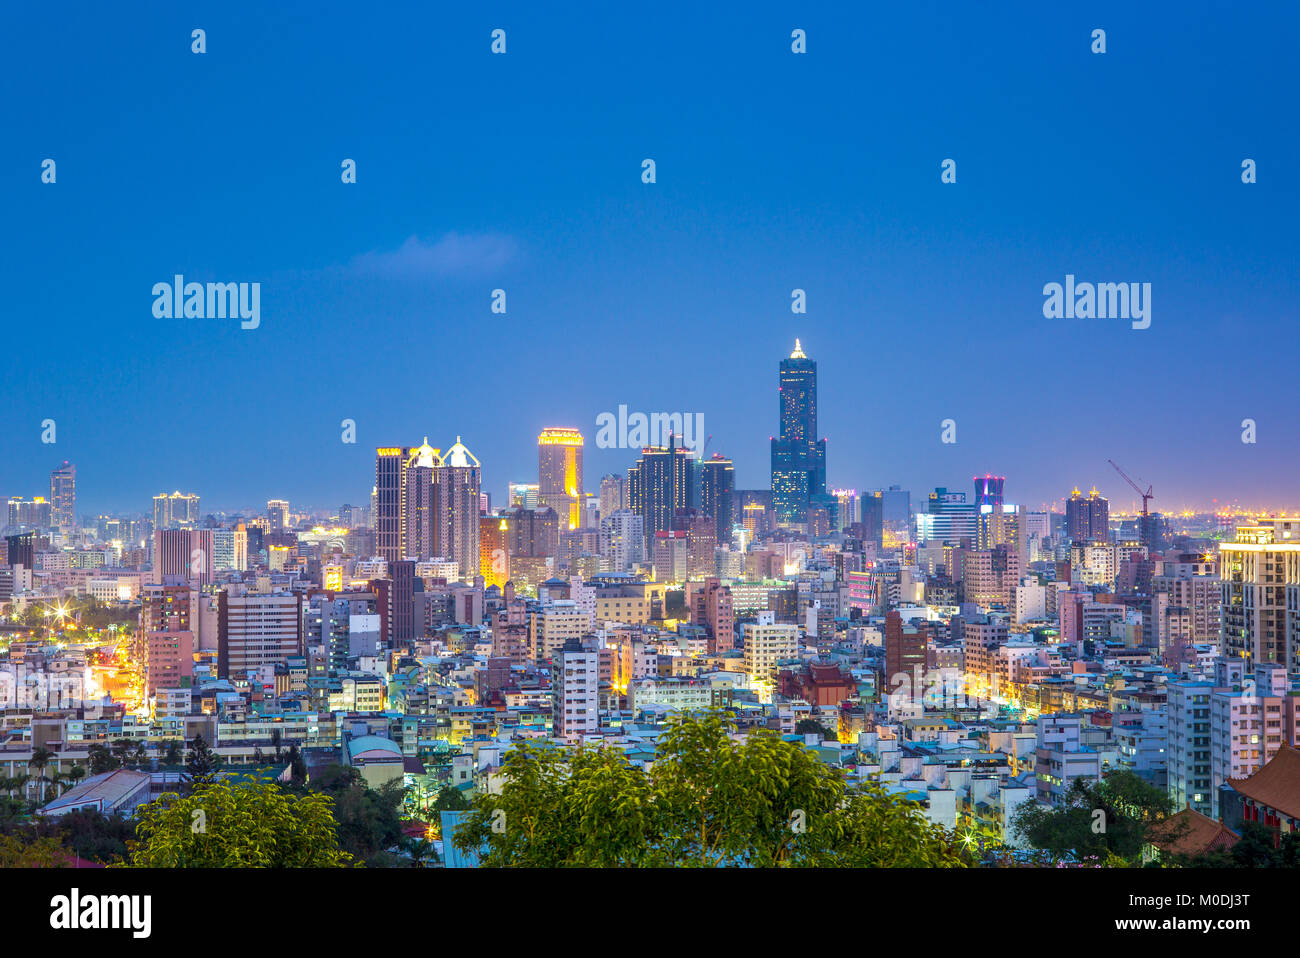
[775, 171]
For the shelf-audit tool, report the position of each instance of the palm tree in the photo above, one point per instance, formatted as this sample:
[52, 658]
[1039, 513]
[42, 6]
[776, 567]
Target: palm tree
[16, 783]
[76, 774]
[39, 760]
[141, 753]
[122, 748]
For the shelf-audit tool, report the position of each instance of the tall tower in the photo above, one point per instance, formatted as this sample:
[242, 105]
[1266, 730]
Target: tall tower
[63, 496]
[420, 503]
[459, 479]
[559, 474]
[798, 456]
[1087, 518]
[660, 484]
[390, 501]
[718, 494]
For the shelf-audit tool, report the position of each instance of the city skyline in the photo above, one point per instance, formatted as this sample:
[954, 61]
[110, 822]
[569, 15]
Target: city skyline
[924, 299]
[498, 489]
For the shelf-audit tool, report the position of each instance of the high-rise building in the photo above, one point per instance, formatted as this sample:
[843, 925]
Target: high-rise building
[175, 510]
[948, 518]
[187, 553]
[420, 502]
[622, 540]
[277, 514]
[1260, 572]
[255, 630]
[459, 481]
[523, 495]
[905, 651]
[988, 491]
[494, 550]
[660, 484]
[559, 474]
[1087, 518]
[575, 688]
[533, 532]
[35, 513]
[718, 495]
[612, 495]
[766, 644]
[390, 500]
[798, 456]
[63, 496]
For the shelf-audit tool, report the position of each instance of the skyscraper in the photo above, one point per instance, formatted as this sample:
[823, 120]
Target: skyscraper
[798, 456]
[988, 491]
[390, 500]
[660, 484]
[277, 514]
[718, 494]
[63, 496]
[176, 510]
[420, 502]
[459, 479]
[1087, 518]
[559, 474]
[612, 495]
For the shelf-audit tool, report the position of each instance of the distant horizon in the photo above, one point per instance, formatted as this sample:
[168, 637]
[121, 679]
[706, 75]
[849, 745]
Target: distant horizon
[964, 214]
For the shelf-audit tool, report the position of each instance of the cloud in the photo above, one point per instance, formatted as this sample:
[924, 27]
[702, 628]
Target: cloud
[451, 255]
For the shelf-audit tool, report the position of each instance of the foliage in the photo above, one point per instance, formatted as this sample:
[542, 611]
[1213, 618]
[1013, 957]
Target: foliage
[707, 801]
[369, 819]
[811, 726]
[251, 824]
[15, 852]
[202, 763]
[1128, 807]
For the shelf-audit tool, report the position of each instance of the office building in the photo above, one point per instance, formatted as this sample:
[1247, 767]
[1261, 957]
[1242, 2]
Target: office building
[798, 456]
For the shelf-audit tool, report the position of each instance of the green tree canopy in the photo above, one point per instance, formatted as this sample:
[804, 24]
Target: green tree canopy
[251, 824]
[1104, 820]
[707, 800]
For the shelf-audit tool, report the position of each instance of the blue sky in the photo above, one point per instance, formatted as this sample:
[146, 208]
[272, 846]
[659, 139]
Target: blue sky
[775, 171]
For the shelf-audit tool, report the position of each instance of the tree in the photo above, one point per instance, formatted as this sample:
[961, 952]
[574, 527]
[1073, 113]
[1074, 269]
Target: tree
[173, 754]
[450, 800]
[202, 763]
[40, 760]
[420, 850]
[707, 801]
[1255, 849]
[102, 760]
[15, 852]
[1102, 820]
[810, 726]
[237, 825]
[369, 819]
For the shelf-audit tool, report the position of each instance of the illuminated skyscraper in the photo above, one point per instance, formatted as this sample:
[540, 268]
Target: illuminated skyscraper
[459, 479]
[277, 513]
[1087, 518]
[390, 500]
[718, 494]
[798, 456]
[559, 474]
[613, 496]
[660, 484]
[63, 496]
[494, 550]
[176, 510]
[523, 495]
[420, 502]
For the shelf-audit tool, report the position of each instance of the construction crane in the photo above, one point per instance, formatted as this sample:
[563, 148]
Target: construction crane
[1146, 496]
